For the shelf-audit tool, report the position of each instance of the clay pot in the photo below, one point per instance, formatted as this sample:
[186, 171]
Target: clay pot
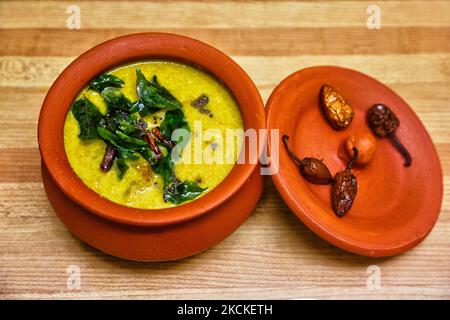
[74, 196]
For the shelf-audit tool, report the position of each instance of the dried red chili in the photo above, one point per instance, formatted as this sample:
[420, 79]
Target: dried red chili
[344, 189]
[152, 144]
[336, 109]
[384, 122]
[110, 154]
[159, 136]
[312, 169]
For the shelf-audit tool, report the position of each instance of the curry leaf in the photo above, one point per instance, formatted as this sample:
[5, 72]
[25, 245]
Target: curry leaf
[165, 93]
[114, 98]
[175, 191]
[117, 141]
[182, 192]
[165, 169]
[127, 148]
[122, 166]
[124, 153]
[117, 119]
[173, 119]
[104, 81]
[109, 136]
[148, 155]
[88, 117]
[131, 140]
[152, 96]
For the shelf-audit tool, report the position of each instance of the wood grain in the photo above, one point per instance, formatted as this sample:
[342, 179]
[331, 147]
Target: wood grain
[272, 255]
[221, 14]
[242, 41]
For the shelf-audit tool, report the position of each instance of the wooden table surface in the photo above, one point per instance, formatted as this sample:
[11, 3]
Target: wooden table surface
[272, 255]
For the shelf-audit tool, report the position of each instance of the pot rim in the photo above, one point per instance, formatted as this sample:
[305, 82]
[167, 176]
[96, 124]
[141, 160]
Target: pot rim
[134, 48]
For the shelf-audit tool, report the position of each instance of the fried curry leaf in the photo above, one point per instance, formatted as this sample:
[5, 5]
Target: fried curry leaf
[153, 96]
[117, 119]
[173, 119]
[175, 191]
[130, 140]
[123, 155]
[148, 155]
[182, 192]
[128, 148]
[88, 117]
[165, 93]
[122, 166]
[104, 81]
[118, 142]
[114, 98]
[165, 169]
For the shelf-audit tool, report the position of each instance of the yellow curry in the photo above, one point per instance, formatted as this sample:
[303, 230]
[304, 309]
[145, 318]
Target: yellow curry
[117, 134]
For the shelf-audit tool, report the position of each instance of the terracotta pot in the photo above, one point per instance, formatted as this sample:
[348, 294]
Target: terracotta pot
[119, 51]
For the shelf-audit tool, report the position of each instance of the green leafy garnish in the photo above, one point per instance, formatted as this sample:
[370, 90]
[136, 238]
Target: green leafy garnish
[111, 138]
[122, 166]
[173, 119]
[165, 169]
[117, 119]
[175, 191]
[152, 96]
[126, 134]
[104, 81]
[131, 140]
[88, 117]
[182, 192]
[116, 139]
[114, 98]
[127, 148]
[122, 155]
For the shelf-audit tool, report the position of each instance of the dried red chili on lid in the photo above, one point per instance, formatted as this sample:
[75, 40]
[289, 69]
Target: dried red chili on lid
[384, 122]
[312, 169]
[344, 189]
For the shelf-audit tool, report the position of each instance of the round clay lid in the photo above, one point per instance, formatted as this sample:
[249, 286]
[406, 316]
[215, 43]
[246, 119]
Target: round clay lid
[395, 206]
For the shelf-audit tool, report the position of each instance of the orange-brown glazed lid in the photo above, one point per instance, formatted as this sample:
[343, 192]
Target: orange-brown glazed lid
[395, 207]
